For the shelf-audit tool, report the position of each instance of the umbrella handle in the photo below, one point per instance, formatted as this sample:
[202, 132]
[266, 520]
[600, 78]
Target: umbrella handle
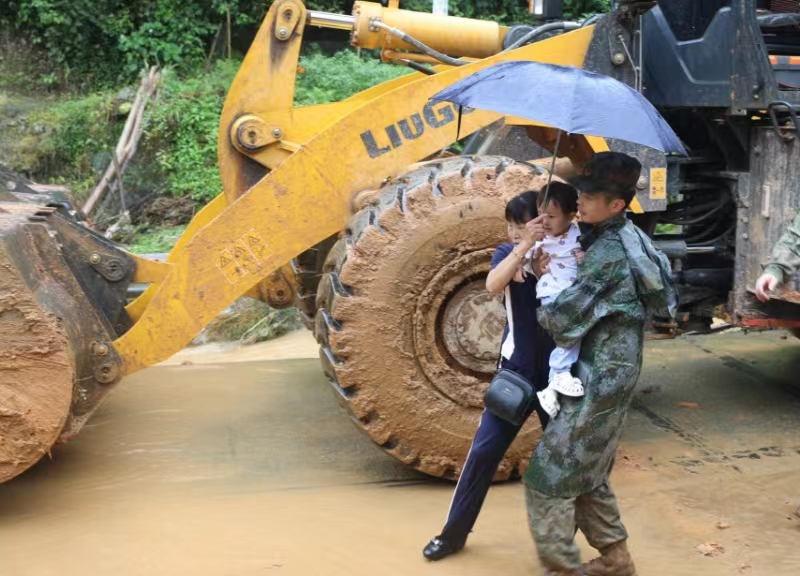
[458, 124]
[552, 168]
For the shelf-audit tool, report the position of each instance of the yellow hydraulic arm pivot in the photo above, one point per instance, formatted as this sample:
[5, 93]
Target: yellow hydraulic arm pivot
[289, 174]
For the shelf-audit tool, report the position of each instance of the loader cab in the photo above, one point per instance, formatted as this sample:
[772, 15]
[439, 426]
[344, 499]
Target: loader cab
[726, 76]
[722, 53]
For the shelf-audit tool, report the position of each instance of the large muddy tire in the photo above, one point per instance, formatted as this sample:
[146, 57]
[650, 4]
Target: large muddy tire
[409, 336]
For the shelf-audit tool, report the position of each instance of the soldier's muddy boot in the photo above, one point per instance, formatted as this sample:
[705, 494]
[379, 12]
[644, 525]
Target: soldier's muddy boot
[615, 561]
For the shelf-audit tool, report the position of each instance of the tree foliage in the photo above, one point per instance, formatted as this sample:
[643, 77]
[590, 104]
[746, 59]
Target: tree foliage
[506, 11]
[96, 42]
[183, 127]
[101, 40]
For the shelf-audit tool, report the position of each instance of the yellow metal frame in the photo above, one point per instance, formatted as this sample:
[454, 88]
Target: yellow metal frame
[448, 34]
[293, 187]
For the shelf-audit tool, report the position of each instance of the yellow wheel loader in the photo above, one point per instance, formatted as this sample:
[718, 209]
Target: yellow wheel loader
[355, 212]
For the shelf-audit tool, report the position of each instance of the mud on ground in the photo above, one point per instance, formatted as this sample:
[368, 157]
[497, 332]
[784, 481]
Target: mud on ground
[234, 462]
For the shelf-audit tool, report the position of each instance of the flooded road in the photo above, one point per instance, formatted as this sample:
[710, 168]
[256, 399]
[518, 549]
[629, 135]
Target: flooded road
[240, 462]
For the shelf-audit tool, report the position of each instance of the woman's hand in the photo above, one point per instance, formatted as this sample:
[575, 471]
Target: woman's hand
[534, 230]
[540, 263]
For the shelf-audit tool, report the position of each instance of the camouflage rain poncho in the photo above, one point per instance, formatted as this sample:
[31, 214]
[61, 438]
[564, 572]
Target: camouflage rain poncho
[786, 254]
[621, 274]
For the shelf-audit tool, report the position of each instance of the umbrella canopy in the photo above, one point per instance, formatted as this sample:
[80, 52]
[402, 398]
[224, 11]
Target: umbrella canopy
[572, 99]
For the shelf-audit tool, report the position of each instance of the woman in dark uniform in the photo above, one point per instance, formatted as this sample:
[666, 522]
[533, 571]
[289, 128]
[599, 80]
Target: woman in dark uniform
[524, 349]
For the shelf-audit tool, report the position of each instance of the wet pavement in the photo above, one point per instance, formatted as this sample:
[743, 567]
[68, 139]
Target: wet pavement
[241, 462]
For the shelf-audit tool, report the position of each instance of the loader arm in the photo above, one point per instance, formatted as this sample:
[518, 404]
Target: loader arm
[289, 174]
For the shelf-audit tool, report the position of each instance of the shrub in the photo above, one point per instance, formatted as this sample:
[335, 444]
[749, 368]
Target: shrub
[334, 78]
[183, 126]
[92, 43]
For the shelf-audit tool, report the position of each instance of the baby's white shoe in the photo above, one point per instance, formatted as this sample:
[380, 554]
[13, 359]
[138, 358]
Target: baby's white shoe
[566, 384]
[549, 401]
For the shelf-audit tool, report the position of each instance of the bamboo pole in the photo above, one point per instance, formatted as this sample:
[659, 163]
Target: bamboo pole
[128, 142]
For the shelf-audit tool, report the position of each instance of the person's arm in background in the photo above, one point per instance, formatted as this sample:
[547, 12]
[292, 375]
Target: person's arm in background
[785, 262]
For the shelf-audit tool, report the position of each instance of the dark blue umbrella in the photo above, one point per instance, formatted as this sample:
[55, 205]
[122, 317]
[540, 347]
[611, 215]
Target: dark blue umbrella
[574, 100]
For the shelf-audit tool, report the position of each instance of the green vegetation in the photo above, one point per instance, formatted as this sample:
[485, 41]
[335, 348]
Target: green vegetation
[507, 11]
[57, 140]
[182, 129]
[334, 78]
[70, 140]
[183, 126]
[249, 321]
[88, 48]
[91, 44]
[95, 43]
[62, 63]
[156, 240]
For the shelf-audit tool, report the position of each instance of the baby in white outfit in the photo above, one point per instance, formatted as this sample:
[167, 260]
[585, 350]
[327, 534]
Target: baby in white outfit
[561, 244]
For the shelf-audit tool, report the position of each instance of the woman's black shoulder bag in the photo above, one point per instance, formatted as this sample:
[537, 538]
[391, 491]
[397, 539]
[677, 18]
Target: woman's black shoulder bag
[510, 397]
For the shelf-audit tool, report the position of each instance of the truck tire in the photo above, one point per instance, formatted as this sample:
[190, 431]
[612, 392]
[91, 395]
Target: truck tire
[409, 337]
[796, 332]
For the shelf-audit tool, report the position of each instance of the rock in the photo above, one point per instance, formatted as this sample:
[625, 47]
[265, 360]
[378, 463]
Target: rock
[723, 525]
[122, 230]
[123, 101]
[711, 549]
[248, 321]
[127, 94]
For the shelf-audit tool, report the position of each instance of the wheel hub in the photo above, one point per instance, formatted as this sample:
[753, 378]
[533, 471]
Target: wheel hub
[471, 327]
[458, 327]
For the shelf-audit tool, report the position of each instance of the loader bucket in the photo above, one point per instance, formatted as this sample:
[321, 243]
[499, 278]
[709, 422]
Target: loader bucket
[55, 363]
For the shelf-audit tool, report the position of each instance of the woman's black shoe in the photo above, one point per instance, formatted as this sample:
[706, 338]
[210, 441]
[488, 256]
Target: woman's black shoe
[438, 549]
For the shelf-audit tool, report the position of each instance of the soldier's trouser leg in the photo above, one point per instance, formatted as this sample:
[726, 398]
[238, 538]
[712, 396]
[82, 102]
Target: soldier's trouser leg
[552, 523]
[597, 516]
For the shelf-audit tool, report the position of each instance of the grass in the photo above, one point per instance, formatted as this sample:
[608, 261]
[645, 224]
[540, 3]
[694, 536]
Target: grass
[250, 321]
[69, 140]
[156, 240]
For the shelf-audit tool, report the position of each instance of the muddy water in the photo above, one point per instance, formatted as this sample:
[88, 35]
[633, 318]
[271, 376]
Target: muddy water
[223, 464]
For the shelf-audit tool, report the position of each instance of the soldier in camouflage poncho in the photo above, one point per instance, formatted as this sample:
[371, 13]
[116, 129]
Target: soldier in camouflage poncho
[621, 278]
[785, 262]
